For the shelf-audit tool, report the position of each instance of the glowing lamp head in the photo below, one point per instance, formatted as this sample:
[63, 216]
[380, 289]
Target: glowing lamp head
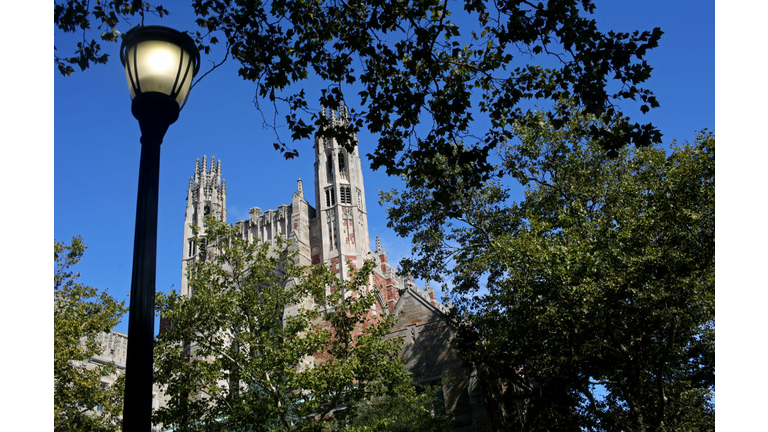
[159, 60]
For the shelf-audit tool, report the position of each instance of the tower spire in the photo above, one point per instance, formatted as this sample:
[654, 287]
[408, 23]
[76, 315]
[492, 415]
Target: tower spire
[340, 199]
[206, 197]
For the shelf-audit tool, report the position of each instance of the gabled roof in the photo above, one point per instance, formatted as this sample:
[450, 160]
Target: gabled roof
[422, 298]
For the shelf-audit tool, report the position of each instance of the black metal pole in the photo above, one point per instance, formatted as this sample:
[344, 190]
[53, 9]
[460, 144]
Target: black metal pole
[155, 113]
[137, 410]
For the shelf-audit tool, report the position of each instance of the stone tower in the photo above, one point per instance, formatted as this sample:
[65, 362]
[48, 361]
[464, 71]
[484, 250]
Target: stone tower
[206, 196]
[341, 223]
[335, 233]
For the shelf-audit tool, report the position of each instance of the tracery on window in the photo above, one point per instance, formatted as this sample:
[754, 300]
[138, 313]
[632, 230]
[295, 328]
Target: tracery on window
[346, 195]
[330, 196]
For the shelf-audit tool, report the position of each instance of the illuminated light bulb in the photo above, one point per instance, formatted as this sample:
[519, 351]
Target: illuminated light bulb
[160, 60]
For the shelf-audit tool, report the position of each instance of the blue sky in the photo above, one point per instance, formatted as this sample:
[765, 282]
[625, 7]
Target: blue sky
[97, 142]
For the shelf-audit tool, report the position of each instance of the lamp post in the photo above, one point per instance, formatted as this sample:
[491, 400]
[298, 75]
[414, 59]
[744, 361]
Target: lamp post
[160, 64]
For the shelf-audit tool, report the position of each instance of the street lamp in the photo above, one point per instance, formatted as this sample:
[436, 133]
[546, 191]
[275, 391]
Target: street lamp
[160, 64]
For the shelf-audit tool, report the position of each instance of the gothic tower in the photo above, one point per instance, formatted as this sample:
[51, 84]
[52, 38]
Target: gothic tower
[206, 196]
[341, 221]
[335, 233]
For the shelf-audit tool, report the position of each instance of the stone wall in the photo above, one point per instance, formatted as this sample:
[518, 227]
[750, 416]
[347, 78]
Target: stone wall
[429, 358]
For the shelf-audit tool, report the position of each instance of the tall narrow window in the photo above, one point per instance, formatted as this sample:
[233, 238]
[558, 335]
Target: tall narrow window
[330, 197]
[332, 232]
[329, 167]
[342, 165]
[346, 195]
[203, 247]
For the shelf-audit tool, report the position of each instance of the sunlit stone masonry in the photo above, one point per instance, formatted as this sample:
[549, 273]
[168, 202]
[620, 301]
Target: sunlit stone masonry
[334, 232]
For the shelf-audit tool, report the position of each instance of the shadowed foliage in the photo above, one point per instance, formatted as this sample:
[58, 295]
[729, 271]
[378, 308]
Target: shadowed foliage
[589, 304]
[419, 75]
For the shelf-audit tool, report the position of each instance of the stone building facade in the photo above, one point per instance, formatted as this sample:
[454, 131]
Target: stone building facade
[114, 348]
[335, 232]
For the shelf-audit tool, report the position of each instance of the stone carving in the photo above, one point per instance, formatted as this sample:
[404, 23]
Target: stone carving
[340, 117]
[254, 214]
[114, 346]
[425, 296]
[359, 199]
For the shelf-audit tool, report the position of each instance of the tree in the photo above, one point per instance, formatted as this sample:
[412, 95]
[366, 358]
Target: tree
[409, 411]
[591, 300]
[80, 315]
[424, 72]
[77, 16]
[267, 344]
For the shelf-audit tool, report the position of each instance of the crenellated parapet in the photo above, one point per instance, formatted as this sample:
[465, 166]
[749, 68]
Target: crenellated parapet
[114, 346]
[267, 225]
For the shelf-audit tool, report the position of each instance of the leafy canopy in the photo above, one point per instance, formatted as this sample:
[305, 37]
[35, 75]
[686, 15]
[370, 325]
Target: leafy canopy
[82, 313]
[425, 73]
[592, 297]
[408, 411]
[267, 344]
